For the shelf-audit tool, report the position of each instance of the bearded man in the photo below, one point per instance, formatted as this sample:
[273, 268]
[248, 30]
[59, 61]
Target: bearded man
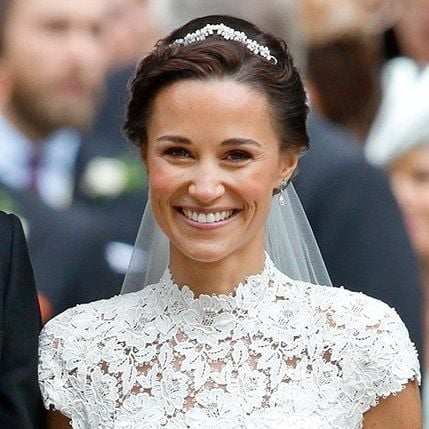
[54, 52]
[52, 71]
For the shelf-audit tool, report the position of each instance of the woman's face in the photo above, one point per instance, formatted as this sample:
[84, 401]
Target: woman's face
[213, 161]
[410, 181]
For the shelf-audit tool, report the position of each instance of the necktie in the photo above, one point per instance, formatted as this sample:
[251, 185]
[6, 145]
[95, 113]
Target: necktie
[33, 170]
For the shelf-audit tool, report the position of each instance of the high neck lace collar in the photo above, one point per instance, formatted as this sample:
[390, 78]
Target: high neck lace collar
[244, 296]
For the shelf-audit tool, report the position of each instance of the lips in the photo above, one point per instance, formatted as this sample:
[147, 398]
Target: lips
[210, 217]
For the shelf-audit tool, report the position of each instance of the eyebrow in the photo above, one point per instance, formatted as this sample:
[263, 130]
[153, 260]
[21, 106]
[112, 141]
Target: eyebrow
[173, 139]
[235, 141]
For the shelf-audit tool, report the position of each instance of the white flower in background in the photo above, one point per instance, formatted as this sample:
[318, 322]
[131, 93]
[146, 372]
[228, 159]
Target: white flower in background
[105, 177]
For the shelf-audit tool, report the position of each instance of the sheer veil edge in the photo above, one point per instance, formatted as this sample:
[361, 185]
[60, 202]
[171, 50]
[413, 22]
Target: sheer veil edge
[289, 241]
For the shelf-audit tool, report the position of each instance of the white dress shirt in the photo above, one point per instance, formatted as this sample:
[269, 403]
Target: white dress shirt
[58, 152]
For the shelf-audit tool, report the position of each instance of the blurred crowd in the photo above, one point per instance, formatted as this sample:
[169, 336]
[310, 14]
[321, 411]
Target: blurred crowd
[80, 188]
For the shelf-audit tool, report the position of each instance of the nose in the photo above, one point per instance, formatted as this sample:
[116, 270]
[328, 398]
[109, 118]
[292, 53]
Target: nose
[84, 48]
[206, 185]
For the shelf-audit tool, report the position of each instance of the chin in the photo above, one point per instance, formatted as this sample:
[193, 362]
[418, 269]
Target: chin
[204, 253]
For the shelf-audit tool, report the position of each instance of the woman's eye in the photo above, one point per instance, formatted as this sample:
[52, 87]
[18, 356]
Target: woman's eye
[238, 155]
[177, 152]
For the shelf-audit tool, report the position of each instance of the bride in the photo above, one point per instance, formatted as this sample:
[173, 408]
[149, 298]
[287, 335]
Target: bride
[220, 337]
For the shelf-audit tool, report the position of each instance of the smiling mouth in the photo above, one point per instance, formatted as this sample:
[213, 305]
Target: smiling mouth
[205, 218]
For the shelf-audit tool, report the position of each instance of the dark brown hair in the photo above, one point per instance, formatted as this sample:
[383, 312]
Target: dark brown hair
[345, 74]
[217, 58]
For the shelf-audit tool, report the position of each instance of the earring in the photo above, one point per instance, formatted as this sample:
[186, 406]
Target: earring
[283, 185]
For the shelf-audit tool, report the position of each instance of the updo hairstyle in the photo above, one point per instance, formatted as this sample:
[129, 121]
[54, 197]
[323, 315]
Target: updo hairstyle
[214, 59]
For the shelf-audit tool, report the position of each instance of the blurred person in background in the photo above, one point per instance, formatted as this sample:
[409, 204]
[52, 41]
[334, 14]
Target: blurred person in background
[400, 145]
[51, 52]
[404, 79]
[344, 40]
[348, 202]
[133, 28]
[409, 36]
[55, 54]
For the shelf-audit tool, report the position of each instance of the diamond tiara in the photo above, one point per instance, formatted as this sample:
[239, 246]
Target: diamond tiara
[227, 33]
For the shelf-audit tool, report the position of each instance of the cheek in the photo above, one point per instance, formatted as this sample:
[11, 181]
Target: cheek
[159, 185]
[163, 179]
[257, 188]
[257, 192]
[263, 180]
[423, 212]
[419, 194]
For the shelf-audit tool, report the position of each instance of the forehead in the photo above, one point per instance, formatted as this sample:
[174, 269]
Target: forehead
[39, 10]
[213, 107]
[218, 94]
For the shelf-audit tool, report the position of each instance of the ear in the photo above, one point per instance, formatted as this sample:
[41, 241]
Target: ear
[287, 165]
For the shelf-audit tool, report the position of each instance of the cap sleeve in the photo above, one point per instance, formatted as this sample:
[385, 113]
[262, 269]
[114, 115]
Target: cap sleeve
[385, 359]
[58, 380]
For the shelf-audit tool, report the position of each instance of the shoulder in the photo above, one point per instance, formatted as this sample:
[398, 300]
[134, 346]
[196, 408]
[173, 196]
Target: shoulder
[350, 310]
[359, 319]
[11, 240]
[93, 321]
[90, 321]
[335, 306]
[8, 223]
[73, 341]
[343, 300]
[4, 220]
[366, 338]
[5, 236]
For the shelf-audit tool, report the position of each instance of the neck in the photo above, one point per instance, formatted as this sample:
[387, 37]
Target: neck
[219, 277]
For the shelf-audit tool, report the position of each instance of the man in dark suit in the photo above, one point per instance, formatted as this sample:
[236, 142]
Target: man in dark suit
[20, 401]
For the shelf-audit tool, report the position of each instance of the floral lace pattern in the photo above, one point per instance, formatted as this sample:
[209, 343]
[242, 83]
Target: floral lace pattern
[277, 353]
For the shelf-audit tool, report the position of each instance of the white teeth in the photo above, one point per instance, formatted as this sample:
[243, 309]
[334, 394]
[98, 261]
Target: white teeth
[207, 218]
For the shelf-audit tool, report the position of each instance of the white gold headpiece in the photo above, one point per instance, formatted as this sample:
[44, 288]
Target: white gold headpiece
[227, 33]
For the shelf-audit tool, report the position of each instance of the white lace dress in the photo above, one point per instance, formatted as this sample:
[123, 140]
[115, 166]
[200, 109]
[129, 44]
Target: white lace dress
[277, 353]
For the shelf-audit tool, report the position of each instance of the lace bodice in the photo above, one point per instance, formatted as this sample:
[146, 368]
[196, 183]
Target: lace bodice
[276, 353]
